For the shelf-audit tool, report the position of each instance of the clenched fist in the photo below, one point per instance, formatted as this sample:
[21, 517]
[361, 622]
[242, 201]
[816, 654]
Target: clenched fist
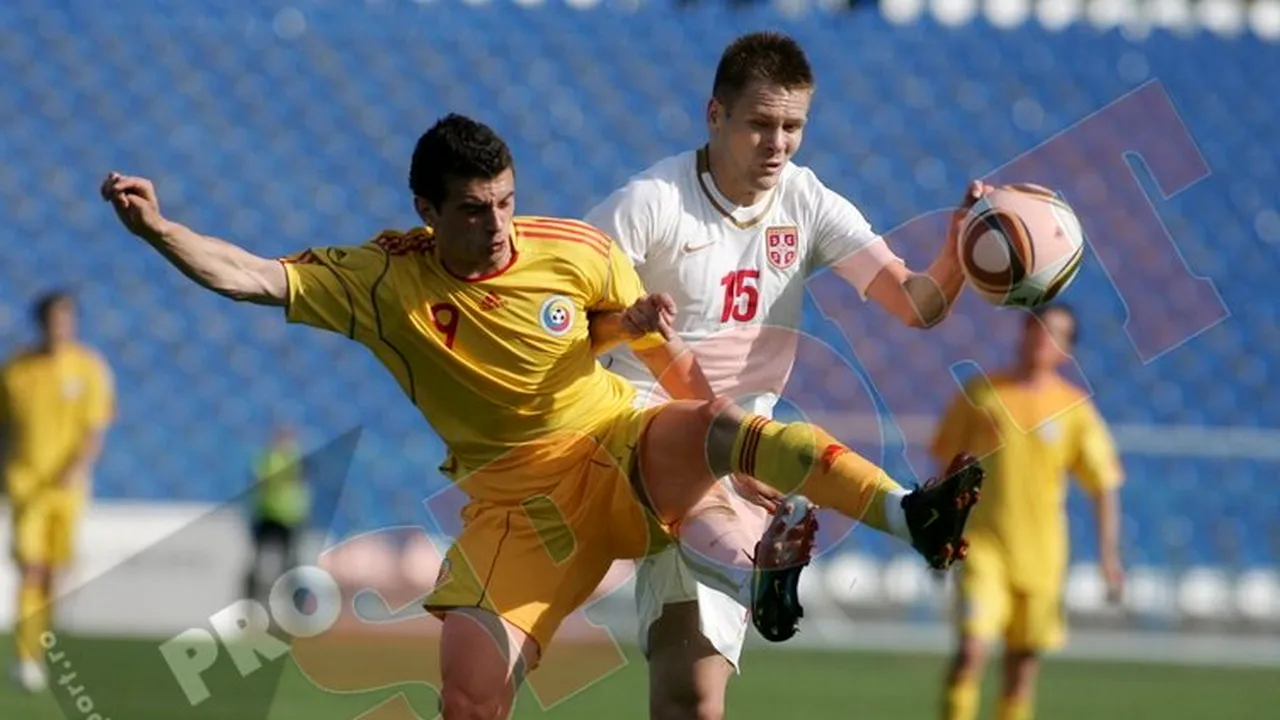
[651, 313]
[135, 202]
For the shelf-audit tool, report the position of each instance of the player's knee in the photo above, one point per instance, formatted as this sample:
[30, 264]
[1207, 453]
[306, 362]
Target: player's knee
[710, 410]
[969, 660]
[715, 501]
[461, 700]
[710, 709]
[458, 704]
[482, 662]
[720, 414]
[722, 418]
[693, 707]
[680, 700]
[35, 574]
[1020, 672]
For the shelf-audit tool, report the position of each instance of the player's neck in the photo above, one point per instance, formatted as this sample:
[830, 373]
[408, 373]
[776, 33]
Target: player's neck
[474, 269]
[1034, 376]
[53, 346]
[741, 195]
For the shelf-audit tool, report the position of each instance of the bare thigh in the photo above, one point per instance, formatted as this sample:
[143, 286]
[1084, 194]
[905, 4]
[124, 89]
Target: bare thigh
[687, 677]
[685, 447]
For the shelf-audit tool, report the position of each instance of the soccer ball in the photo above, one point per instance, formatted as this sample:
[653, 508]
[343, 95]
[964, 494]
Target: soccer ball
[1020, 245]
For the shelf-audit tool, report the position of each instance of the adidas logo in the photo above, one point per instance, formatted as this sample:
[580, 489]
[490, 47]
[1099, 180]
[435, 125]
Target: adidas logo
[492, 301]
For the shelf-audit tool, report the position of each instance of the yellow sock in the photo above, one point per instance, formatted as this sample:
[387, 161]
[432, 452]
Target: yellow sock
[1014, 708]
[962, 701]
[801, 457]
[33, 621]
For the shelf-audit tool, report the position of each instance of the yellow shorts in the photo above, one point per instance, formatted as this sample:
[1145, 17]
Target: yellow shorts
[534, 562]
[991, 607]
[44, 528]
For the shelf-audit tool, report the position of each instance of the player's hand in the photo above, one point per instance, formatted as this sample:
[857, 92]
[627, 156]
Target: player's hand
[135, 202]
[975, 191]
[1113, 576]
[651, 313]
[757, 492]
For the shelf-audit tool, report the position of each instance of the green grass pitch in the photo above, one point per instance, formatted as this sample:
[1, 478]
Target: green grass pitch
[776, 683]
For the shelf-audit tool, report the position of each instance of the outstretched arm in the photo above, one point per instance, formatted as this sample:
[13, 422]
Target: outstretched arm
[924, 299]
[218, 265]
[918, 299]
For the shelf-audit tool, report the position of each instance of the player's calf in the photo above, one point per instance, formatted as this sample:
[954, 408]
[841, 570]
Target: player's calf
[802, 457]
[782, 553]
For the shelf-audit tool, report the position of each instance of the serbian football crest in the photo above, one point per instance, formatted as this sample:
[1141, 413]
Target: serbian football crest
[782, 246]
[556, 316]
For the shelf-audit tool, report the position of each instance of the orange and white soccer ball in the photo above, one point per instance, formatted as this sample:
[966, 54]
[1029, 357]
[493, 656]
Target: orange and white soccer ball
[1020, 245]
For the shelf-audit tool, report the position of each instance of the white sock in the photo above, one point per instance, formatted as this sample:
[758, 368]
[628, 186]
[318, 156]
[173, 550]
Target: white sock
[896, 518]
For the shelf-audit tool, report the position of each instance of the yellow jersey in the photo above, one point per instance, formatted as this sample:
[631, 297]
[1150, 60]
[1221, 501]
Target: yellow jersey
[50, 404]
[500, 366]
[1029, 439]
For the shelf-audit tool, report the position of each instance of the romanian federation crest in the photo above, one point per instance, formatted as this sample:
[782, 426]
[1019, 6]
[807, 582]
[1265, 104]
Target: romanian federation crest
[556, 315]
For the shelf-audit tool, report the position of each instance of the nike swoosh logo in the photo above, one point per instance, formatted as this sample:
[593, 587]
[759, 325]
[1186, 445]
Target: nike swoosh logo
[933, 516]
[690, 247]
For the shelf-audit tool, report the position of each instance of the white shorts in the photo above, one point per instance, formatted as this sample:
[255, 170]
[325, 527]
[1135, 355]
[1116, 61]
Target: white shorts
[665, 578]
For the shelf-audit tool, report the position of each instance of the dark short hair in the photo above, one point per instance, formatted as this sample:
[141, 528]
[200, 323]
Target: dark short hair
[455, 148]
[1038, 314]
[769, 57]
[42, 308]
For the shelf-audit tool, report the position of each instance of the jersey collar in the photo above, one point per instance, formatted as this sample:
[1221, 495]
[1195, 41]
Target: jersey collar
[515, 255]
[722, 205]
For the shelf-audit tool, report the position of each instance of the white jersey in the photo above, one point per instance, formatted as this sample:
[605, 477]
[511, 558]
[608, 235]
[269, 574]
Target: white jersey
[737, 274]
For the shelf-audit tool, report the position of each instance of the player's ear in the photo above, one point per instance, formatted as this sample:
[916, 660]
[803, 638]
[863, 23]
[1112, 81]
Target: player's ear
[425, 210]
[715, 113]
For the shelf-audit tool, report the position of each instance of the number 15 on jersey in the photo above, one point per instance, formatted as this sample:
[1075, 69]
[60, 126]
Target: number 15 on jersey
[741, 295]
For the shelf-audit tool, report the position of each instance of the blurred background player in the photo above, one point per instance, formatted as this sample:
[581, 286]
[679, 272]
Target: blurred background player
[281, 506]
[56, 401]
[1032, 427]
[732, 231]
